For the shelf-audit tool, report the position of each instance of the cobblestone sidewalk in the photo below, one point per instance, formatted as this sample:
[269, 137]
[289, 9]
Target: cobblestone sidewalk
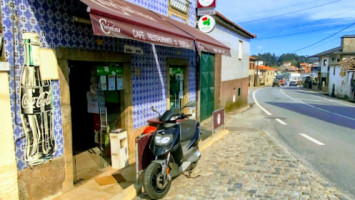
[248, 164]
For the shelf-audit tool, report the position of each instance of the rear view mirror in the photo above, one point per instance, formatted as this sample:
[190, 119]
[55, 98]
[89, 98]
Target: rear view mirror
[154, 110]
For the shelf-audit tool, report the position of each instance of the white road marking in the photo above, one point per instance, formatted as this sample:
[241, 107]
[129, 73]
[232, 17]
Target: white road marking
[311, 100]
[311, 139]
[299, 101]
[332, 100]
[257, 103]
[281, 122]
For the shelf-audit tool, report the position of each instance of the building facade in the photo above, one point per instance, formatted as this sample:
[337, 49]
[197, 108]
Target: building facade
[252, 71]
[266, 75]
[234, 72]
[337, 80]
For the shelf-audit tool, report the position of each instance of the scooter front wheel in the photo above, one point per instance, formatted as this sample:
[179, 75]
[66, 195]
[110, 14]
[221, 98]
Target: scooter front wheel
[155, 184]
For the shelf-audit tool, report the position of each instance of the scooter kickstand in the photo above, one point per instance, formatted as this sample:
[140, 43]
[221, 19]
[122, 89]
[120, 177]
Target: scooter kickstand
[189, 174]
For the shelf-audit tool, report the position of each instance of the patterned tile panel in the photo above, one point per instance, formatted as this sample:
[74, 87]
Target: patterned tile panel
[52, 19]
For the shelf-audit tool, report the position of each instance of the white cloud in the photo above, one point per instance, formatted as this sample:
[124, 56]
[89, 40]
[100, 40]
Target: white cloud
[240, 11]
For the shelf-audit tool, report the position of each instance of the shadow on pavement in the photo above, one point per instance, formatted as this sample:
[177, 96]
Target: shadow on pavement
[347, 112]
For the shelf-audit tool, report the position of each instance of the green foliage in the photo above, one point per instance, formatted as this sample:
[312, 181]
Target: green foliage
[273, 60]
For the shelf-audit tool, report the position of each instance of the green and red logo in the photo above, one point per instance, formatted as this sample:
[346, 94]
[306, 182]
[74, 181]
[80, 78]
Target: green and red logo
[206, 23]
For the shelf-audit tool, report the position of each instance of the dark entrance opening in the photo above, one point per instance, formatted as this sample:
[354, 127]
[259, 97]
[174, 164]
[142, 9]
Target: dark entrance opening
[96, 95]
[82, 121]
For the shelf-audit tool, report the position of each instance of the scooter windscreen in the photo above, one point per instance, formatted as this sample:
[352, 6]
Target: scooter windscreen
[164, 140]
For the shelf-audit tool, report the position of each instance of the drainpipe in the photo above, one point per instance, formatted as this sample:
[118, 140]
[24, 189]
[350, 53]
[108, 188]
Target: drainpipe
[14, 23]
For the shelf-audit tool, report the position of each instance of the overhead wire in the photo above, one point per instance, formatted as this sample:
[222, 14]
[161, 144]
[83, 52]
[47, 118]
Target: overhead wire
[297, 5]
[324, 38]
[299, 33]
[288, 13]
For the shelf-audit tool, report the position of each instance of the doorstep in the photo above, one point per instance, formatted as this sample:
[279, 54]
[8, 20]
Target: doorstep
[103, 186]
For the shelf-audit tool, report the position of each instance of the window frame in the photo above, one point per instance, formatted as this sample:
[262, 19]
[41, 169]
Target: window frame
[240, 50]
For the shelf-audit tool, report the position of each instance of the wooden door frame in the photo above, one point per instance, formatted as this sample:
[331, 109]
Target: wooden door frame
[64, 55]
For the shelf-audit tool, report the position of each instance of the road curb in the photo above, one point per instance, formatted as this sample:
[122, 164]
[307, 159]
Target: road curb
[131, 192]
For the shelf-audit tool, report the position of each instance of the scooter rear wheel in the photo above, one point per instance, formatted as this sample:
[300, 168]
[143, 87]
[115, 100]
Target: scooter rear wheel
[154, 183]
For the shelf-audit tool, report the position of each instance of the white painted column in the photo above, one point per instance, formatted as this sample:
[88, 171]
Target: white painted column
[8, 167]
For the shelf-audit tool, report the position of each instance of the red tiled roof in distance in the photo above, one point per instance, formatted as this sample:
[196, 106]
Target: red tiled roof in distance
[266, 68]
[252, 58]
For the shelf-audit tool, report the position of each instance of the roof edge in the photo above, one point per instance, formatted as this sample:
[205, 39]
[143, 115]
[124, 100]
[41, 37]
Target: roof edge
[228, 21]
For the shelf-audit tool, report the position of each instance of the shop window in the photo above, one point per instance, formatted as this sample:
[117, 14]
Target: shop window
[176, 77]
[110, 93]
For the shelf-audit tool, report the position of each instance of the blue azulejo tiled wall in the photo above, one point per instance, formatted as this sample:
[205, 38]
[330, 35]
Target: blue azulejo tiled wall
[52, 19]
[149, 84]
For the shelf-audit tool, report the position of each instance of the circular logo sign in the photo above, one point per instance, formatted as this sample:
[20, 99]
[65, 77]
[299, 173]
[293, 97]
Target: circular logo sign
[205, 3]
[206, 23]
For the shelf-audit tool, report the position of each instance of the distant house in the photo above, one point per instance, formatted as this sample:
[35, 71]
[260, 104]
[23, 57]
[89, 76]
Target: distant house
[252, 71]
[337, 69]
[291, 69]
[259, 62]
[306, 68]
[266, 75]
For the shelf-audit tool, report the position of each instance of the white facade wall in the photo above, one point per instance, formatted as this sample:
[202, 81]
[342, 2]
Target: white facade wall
[342, 84]
[232, 67]
[324, 67]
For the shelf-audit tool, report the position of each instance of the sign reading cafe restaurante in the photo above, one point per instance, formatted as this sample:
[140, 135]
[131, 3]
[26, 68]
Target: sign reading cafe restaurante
[114, 28]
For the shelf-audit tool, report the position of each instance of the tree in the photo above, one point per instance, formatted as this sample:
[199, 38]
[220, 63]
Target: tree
[272, 60]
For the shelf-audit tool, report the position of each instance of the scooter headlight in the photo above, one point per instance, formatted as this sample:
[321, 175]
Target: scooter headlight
[163, 139]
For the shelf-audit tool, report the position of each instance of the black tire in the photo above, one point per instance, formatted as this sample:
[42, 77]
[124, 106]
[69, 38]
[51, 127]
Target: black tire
[150, 182]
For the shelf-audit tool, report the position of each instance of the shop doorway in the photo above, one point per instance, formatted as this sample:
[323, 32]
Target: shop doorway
[96, 96]
[176, 89]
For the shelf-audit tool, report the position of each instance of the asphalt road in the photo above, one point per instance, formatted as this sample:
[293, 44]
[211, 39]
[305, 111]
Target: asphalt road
[318, 129]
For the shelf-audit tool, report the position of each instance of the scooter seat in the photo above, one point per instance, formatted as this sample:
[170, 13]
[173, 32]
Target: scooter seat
[188, 130]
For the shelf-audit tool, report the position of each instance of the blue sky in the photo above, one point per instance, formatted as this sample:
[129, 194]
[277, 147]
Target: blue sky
[319, 23]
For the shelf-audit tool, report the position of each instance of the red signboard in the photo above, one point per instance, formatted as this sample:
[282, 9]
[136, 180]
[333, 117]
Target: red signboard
[109, 27]
[118, 18]
[206, 3]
